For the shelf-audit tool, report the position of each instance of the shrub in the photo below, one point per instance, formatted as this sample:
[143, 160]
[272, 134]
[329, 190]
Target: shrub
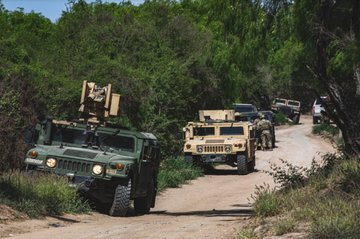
[325, 128]
[42, 194]
[267, 202]
[175, 171]
[337, 219]
[284, 226]
[281, 119]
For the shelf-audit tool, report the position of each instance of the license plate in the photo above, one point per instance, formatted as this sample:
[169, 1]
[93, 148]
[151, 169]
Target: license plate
[111, 171]
[33, 161]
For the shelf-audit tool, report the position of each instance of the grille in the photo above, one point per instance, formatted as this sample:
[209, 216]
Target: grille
[214, 141]
[73, 166]
[214, 148]
[80, 154]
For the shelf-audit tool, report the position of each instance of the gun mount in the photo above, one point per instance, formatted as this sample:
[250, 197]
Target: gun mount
[97, 103]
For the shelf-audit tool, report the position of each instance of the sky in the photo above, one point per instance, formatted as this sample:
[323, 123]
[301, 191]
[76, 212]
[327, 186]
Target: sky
[49, 8]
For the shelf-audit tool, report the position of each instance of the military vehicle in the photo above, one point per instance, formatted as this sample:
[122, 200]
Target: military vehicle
[290, 108]
[245, 112]
[110, 164]
[220, 141]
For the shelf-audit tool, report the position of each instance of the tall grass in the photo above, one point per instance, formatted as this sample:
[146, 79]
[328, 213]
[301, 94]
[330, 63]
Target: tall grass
[328, 201]
[325, 129]
[39, 195]
[174, 172]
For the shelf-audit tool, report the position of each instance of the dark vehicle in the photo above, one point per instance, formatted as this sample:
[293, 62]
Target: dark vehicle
[111, 165]
[244, 108]
[245, 112]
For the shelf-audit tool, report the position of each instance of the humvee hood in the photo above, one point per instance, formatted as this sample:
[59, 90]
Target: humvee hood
[217, 140]
[81, 153]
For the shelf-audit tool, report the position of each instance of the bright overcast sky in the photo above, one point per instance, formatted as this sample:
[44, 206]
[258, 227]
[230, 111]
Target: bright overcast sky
[49, 8]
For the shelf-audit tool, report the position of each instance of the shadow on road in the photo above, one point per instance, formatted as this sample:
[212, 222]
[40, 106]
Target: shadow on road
[210, 213]
[215, 171]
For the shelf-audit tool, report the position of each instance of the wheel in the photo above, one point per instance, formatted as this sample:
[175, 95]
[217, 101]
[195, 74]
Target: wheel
[121, 202]
[297, 119]
[242, 167]
[315, 120]
[142, 205]
[251, 165]
[273, 141]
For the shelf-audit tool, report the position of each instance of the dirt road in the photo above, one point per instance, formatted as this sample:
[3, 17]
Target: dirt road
[211, 207]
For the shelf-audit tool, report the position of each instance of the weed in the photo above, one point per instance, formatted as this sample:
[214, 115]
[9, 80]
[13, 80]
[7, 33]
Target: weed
[174, 172]
[325, 129]
[43, 194]
[247, 233]
[267, 202]
[338, 219]
[281, 119]
[284, 226]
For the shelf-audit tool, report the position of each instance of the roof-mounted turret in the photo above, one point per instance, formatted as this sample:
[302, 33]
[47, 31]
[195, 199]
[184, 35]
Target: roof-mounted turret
[97, 103]
[216, 115]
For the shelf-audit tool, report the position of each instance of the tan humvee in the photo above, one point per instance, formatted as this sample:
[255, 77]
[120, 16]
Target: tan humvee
[228, 142]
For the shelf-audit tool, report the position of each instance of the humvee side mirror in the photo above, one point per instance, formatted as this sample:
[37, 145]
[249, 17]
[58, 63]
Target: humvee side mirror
[29, 135]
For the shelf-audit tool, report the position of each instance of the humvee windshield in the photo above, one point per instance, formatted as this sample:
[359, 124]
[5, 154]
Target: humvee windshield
[293, 103]
[279, 101]
[117, 142]
[245, 108]
[68, 135]
[79, 137]
[231, 131]
[204, 131]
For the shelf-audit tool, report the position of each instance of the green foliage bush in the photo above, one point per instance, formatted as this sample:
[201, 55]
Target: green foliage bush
[174, 172]
[39, 195]
[326, 196]
[325, 129]
[267, 202]
[281, 119]
[284, 226]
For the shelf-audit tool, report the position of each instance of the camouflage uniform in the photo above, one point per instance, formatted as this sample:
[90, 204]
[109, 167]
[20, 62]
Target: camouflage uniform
[264, 128]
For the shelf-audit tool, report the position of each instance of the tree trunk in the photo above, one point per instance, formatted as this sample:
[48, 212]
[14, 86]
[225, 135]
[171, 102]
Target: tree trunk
[344, 90]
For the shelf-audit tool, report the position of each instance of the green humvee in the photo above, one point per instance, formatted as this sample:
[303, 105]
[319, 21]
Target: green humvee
[217, 138]
[112, 165]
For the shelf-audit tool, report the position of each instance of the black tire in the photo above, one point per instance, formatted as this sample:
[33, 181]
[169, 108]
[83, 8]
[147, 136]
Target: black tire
[296, 119]
[121, 202]
[273, 141]
[315, 120]
[242, 166]
[142, 205]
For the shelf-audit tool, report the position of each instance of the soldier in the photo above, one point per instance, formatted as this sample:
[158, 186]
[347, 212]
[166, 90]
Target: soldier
[264, 128]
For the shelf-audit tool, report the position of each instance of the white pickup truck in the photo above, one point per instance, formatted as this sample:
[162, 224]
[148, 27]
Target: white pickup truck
[318, 110]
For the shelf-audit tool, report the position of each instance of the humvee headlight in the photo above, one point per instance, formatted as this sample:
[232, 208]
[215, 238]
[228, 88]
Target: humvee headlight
[188, 146]
[51, 162]
[97, 169]
[227, 148]
[33, 154]
[199, 149]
